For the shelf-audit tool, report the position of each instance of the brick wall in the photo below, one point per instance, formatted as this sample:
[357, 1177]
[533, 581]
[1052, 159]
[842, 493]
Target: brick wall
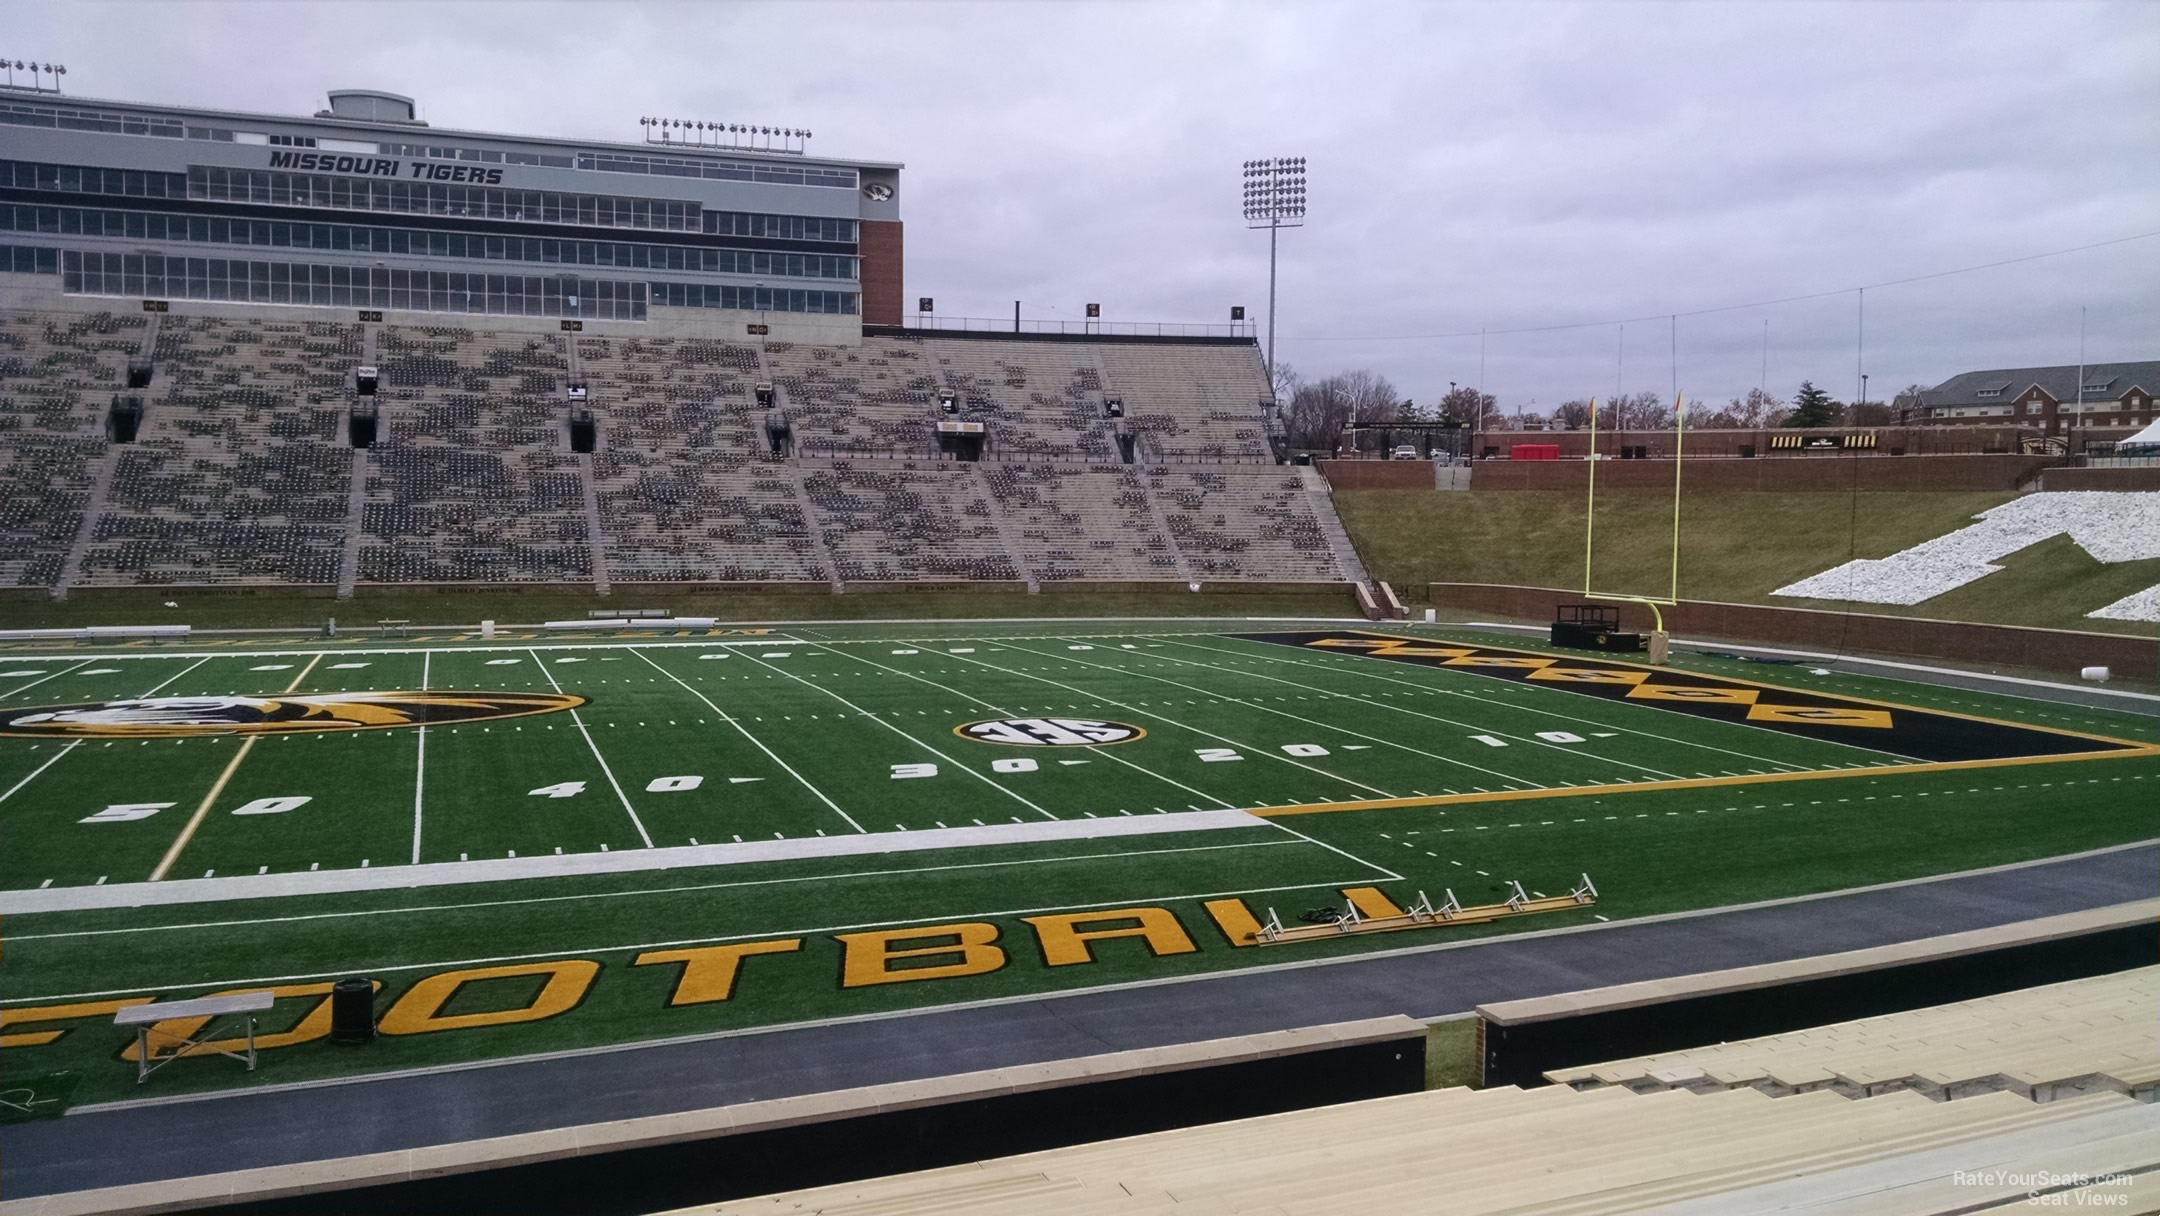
[2145, 477]
[1378, 474]
[2060, 651]
[1827, 474]
[882, 267]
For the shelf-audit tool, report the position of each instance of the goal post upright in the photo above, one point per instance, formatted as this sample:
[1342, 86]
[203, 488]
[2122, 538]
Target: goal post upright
[1590, 522]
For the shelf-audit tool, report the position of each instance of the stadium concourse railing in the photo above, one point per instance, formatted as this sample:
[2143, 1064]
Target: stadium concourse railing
[2060, 651]
[1091, 329]
[930, 453]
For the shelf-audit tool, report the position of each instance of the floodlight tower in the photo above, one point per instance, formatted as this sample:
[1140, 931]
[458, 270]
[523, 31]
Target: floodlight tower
[1274, 200]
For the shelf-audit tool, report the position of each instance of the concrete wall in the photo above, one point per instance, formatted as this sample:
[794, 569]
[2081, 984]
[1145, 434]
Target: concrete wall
[1378, 474]
[1520, 1041]
[662, 1162]
[2060, 651]
[1785, 474]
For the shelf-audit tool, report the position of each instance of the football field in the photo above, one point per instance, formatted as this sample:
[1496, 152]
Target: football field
[544, 841]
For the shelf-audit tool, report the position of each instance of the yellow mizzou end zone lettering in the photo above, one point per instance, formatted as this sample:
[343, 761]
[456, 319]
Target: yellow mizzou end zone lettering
[708, 974]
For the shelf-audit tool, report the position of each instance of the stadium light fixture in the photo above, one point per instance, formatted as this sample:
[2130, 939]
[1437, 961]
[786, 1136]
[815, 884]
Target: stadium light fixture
[1274, 200]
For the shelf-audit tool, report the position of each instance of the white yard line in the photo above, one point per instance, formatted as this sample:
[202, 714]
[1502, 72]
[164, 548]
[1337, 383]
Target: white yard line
[41, 679]
[1470, 726]
[731, 720]
[1105, 752]
[501, 869]
[65, 748]
[1495, 774]
[1376, 675]
[154, 690]
[202, 810]
[580, 721]
[647, 892]
[78, 742]
[419, 785]
[1130, 708]
[970, 771]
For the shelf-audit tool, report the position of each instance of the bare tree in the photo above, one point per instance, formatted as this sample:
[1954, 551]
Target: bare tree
[1287, 382]
[1755, 410]
[1317, 414]
[1644, 411]
[1373, 398]
[1571, 415]
[1471, 408]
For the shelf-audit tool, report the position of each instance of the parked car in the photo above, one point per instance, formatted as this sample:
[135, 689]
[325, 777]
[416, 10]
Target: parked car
[1404, 452]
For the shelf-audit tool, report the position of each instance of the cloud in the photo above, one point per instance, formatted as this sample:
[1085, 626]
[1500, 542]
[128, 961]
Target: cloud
[1497, 166]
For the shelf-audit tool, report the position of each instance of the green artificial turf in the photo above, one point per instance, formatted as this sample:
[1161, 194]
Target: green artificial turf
[842, 714]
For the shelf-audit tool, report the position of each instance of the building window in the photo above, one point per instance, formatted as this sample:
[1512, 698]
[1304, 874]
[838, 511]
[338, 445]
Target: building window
[85, 272]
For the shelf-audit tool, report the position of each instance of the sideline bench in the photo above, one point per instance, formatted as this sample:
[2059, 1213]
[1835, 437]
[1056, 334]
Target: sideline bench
[141, 1017]
[386, 627]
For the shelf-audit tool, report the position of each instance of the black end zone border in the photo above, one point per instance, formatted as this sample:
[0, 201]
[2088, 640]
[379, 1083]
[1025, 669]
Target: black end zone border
[1922, 735]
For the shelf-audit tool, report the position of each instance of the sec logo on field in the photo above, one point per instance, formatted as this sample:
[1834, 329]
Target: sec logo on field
[1049, 732]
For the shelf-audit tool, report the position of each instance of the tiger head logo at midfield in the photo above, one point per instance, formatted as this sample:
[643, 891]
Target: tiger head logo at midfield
[167, 717]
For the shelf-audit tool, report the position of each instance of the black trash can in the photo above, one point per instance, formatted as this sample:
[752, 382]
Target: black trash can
[352, 1010]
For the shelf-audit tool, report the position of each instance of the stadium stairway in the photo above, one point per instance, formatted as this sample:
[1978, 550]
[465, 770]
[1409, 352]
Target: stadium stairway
[1552, 1151]
[2047, 1043]
[810, 520]
[1323, 507]
[1014, 552]
[101, 478]
[355, 515]
[1162, 528]
[596, 535]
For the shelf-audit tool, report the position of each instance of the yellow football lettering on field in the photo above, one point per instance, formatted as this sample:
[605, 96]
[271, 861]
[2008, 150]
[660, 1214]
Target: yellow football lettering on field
[868, 957]
[1064, 942]
[1822, 715]
[1590, 675]
[1235, 919]
[419, 1011]
[311, 1027]
[1695, 693]
[58, 1013]
[1349, 643]
[1487, 660]
[709, 971]
[1422, 652]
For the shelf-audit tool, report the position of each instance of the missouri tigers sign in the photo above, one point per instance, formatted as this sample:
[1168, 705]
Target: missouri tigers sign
[167, 717]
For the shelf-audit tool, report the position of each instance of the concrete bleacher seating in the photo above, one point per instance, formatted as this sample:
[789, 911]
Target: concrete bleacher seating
[1082, 522]
[1201, 401]
[472, 478]
[909, 520]
[1244, 522]
[58, 373]
[685, 489]
[1043, 400]
[1550, 1150]
[242, 471]
[239, 473]
[2048, 1042]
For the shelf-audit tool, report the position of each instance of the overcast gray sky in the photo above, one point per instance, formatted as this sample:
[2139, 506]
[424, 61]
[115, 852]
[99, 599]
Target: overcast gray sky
[1498, 166]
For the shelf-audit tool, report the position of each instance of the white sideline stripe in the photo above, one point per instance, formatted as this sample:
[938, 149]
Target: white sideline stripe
[1750, 648]
[1050, 997]
[450, 873]
[473, 630]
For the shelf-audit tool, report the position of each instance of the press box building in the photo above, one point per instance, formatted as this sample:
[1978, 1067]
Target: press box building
[364, 206]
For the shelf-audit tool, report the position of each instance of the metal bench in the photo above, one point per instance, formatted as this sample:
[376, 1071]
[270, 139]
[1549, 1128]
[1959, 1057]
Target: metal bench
[141, 1017]
[387, 627]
